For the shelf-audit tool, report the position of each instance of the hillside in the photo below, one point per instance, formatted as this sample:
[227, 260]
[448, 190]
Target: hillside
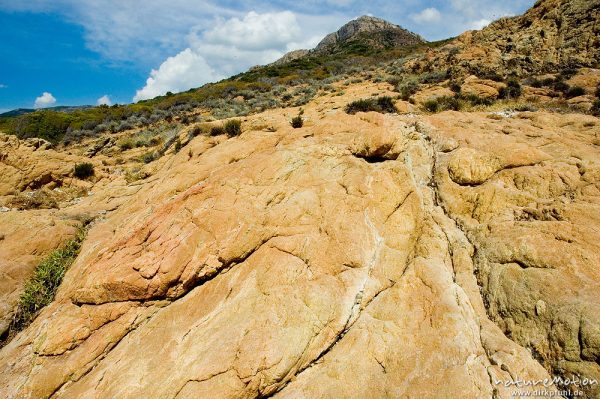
[369, 222]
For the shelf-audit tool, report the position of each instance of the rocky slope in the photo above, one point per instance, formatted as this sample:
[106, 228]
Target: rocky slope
[552, 35]
[363, 256]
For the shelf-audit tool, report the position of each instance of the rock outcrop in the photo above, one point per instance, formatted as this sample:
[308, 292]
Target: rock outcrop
[363, 256]
[552, 35]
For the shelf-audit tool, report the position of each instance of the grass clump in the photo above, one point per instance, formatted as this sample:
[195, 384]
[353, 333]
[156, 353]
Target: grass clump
[40, 289]
[383, 104]
[83, 170]
[297, 122]
[233, 127]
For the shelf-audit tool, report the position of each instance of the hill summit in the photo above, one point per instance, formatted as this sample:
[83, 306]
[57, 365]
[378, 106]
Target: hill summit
[366, 31]
[370, 30]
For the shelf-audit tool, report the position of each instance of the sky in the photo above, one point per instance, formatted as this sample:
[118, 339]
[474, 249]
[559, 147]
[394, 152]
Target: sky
[76, 52]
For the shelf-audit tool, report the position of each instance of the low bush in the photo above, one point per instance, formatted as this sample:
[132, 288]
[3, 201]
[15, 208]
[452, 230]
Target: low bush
[233, 127]
[575, 91]
[149, 157]
[596, 108]
[561, 86]
[383, 104]
[444, 103]
[297, 122]
[455, 87]
[511, 91]
[407, 89]
[217, 130]
[83, 170]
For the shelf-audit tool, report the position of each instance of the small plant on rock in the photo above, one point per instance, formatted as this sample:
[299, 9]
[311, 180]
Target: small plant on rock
[233, 127]
[83, 170]
[297, 122]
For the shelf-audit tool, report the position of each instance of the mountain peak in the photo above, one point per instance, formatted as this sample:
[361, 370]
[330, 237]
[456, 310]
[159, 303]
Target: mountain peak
[381, 34]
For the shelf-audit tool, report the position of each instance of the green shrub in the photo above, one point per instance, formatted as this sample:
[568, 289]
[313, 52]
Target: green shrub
[83, 170]
[217, 130]
[297, 122]
[233, 127]
[443, 103]
[406, 90]
[40, 289]
[561, 86]
[511, 91]
[383, 104]
[575, 91]
[126, 144]
[148, 157]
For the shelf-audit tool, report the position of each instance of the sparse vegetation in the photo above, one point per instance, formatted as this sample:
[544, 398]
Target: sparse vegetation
[40, 289]
[83, 170]
[383, 104]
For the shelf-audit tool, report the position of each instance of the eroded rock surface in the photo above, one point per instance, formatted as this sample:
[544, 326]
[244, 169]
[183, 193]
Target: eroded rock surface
[360, 256]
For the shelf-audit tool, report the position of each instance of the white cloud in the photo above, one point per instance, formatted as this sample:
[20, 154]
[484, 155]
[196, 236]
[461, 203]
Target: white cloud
[428, 15]
[255, 31]
[104, 100]
[480, 24]
[3, 86]
[181, 72]
[229, 47]
[45, 100]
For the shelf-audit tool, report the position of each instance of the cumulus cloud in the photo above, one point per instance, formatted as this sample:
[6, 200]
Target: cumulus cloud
[428, 15]
[181, 72]
[104, 100]
[229, 47]
[255, 31]
[45, 100]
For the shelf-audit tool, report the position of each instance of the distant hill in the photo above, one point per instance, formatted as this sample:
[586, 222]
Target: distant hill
[61, 108]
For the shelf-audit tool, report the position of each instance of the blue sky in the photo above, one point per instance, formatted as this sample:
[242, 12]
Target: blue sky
[71, 52]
